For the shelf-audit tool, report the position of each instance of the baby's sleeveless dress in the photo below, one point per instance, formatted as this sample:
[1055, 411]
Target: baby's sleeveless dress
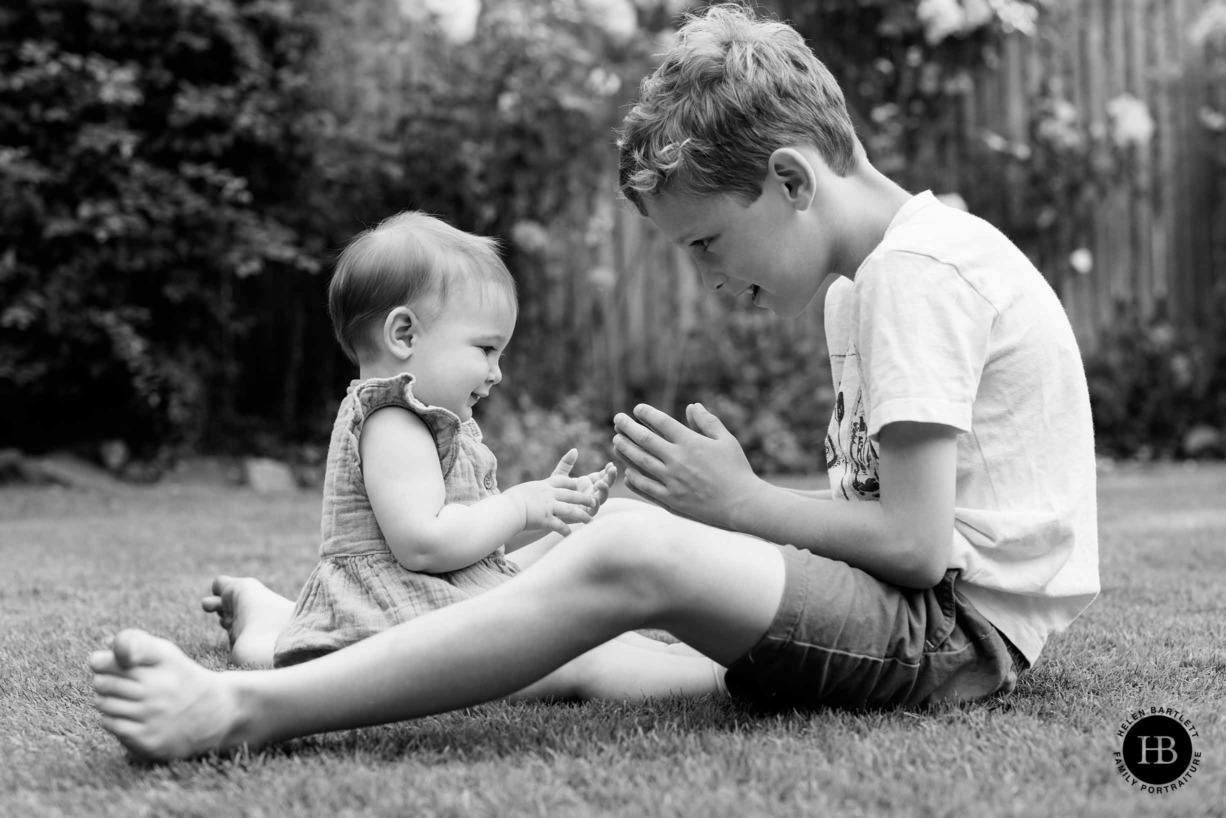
[358, 588]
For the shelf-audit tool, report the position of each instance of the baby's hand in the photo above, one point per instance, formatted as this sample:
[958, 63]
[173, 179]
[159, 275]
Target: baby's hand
[557, 501]
[596, 484]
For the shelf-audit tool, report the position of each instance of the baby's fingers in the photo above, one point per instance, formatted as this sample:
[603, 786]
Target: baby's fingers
[574, 497]
[563, 482]
[568, 513]
[554, 524]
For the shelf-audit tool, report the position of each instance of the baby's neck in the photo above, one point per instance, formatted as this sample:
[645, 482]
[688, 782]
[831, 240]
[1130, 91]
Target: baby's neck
[380, 369]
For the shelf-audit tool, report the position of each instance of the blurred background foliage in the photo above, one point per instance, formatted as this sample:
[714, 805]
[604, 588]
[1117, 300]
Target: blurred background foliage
[175, 176]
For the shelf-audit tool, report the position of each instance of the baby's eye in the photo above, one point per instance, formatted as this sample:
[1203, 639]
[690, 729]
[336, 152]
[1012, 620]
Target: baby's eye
[703, 244]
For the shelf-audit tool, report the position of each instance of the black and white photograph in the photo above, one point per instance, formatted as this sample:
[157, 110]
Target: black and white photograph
[630, 408]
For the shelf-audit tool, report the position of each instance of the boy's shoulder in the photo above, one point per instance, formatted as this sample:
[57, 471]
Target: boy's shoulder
[945, 241]
[927, 226]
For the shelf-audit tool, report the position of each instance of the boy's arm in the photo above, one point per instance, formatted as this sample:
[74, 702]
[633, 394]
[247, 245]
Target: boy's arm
[702, 473]
[404, 482]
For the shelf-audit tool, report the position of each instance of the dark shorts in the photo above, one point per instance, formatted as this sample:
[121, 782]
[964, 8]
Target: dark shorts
[842, 638]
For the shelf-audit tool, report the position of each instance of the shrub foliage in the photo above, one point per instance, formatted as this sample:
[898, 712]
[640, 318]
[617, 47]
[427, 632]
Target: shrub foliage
[150, 151]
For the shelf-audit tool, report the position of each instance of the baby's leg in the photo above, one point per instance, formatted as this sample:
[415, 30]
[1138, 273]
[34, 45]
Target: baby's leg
[642, 641]
[252, 615]
[628, 670]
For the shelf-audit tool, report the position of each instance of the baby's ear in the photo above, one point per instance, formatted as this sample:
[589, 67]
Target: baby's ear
[399, 331]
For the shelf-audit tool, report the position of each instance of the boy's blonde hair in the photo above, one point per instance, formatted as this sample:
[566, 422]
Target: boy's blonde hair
[733, 89]
[410, 259]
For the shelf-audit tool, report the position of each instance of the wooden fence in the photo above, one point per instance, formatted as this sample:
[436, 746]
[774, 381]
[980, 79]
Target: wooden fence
[1156, 233]
[627, 301]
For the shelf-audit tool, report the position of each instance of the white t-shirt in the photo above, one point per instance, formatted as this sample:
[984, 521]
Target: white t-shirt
[947, 322]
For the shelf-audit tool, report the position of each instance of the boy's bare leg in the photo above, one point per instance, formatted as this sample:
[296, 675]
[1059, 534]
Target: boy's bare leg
[715, 590]
[253, 616]
[528, 554]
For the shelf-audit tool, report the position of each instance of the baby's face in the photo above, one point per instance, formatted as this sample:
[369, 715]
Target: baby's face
[456, 354]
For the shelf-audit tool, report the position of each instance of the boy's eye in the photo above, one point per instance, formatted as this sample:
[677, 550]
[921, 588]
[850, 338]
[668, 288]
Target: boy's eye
[703, 244]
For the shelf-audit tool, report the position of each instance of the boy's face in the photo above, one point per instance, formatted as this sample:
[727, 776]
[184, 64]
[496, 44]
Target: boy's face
[769, 250]
[455, 358]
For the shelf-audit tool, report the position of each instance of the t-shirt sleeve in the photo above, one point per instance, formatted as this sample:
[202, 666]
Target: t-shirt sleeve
[923, 340]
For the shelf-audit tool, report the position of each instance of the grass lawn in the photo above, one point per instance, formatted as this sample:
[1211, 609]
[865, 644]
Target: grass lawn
[78, 565]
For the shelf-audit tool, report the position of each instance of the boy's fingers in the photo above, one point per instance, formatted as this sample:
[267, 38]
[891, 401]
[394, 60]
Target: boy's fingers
[646, 487]
[665, 425]
[639, 436]
[705, 423]
[637, 457]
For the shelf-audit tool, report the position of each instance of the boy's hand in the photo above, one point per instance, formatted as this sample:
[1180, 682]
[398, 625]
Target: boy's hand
[699, 472]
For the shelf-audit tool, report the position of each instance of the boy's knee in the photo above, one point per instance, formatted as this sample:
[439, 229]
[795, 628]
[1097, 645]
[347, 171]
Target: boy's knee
[634, 552]
[621, 505]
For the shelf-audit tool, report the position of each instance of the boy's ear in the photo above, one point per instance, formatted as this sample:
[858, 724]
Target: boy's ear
[795, 175]
[399, 329]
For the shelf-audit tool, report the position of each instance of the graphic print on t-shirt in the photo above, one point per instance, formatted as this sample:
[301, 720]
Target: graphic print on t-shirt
[851, 457]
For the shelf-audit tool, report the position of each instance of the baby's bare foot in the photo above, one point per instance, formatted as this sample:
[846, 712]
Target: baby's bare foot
[252, 615]
[160, 704]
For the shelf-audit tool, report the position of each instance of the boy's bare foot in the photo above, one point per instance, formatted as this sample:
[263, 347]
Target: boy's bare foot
[253, 616]
[160, 704]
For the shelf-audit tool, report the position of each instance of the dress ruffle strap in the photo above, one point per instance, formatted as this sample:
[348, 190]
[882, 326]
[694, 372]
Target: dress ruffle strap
[377, 393]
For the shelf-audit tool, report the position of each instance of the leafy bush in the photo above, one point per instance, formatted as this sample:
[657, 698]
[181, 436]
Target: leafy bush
[148, 154]
[1152, 383]
[529, 439]
[770, 385]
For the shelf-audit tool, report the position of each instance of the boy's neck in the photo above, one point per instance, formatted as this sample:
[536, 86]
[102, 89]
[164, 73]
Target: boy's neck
[878, 200]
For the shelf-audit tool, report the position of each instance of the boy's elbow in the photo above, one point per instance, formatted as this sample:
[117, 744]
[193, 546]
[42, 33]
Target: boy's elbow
[924, 564]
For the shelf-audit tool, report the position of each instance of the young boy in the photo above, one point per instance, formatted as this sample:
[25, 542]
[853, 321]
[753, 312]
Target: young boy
[960, 529]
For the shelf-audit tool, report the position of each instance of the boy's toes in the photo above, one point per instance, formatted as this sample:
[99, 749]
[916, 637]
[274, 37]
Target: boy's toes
[221, 583]
[103, 661]
[135, 647]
